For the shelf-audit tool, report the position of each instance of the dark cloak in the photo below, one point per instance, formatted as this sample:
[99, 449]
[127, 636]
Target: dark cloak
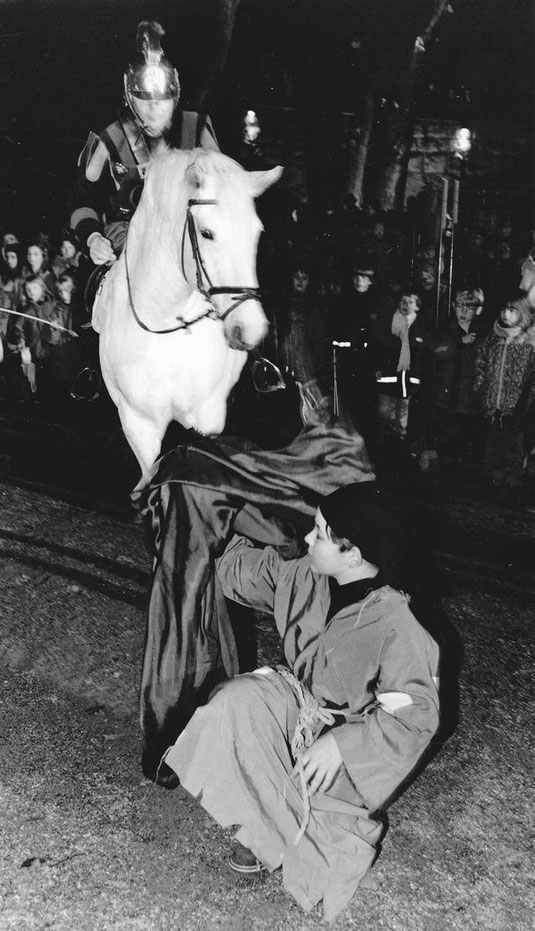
[199, 495]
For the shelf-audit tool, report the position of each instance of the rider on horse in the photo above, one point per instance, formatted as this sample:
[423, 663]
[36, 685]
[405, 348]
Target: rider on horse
[113, 163]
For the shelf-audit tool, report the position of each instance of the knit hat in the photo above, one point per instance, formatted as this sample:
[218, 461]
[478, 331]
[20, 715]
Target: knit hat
[358, 513]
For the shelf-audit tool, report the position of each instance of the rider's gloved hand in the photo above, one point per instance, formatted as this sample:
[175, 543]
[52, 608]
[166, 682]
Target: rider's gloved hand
[100, 249]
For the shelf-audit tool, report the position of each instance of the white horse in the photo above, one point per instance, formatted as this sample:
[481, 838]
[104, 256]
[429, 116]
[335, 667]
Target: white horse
[180, 308]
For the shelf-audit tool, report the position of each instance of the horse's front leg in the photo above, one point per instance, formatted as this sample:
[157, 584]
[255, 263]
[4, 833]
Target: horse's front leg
[144, 438]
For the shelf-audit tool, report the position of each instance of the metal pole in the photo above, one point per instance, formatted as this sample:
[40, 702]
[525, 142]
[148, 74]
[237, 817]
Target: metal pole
[454, 219]
[336, 403]
[443, 218]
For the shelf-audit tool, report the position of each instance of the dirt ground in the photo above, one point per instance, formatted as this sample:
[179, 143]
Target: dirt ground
[88, 843]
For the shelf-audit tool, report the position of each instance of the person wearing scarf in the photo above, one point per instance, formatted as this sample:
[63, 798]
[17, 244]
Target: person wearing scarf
[304, 758]
[398, 354]
[504, 368]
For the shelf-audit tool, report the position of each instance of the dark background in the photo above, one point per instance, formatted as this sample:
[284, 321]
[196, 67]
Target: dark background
[62, 61]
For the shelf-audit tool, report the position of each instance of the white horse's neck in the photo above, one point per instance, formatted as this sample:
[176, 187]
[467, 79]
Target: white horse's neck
[154, 265]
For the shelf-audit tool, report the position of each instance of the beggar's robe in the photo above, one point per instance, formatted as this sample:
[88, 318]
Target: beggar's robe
[372, 659]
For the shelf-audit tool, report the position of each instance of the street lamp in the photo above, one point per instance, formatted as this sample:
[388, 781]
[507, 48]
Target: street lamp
[461, 144]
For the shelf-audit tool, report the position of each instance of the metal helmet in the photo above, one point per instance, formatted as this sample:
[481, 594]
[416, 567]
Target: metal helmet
[151, 76]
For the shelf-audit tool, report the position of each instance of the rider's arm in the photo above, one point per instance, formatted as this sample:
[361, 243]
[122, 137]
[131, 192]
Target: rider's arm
[88, 198]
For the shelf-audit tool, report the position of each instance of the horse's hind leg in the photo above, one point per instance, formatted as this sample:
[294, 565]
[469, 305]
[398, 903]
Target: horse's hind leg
[145, 440]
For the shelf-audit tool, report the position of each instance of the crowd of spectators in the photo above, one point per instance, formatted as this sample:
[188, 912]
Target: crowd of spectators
[360, 328]
[38, 319]
[364, 330]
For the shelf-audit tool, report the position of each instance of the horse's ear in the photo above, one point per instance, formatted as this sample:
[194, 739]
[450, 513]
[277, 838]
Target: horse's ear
[195, 175]
[261, 180]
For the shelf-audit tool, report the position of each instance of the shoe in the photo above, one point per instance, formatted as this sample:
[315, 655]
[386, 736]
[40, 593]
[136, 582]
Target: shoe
[244, 862]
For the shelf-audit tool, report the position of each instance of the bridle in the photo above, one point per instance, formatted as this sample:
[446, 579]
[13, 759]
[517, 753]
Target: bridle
[240, 292]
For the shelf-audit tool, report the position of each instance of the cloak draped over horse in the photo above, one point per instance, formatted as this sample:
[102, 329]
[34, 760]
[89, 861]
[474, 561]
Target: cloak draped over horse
[180, 308]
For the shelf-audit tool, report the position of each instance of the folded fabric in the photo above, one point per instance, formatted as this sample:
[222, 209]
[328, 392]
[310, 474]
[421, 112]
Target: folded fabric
[199, 495]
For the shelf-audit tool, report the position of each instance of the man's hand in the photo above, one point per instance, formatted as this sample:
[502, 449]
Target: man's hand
[321, 764]
[100, 249]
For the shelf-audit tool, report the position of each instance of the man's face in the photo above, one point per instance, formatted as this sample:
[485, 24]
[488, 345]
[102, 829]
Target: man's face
[301, 281]
[154, 114]
[362, 281]
[35, 291]
[379, 230]
[408, 305]
[35, 257]
[326, 557]
[427, 279]
[12, 259]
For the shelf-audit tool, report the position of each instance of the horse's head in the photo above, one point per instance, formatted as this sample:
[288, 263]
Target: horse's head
[223, 231]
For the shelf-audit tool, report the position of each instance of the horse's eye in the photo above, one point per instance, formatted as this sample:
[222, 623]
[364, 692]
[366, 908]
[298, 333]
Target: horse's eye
[207, 234]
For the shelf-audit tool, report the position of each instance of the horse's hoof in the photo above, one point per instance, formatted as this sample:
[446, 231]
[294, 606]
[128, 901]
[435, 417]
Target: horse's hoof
[160, 773]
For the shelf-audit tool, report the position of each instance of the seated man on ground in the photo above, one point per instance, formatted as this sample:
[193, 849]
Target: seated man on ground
[306, 758]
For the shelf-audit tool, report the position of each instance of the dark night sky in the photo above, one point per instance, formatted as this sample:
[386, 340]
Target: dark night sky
[63, 72]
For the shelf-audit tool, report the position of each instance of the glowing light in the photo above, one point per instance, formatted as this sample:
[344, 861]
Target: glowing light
[462, 142]
[251, 127]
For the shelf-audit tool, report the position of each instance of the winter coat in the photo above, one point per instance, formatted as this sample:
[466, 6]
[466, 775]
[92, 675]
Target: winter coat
[452, 384]
[384, 348]
[503, 366]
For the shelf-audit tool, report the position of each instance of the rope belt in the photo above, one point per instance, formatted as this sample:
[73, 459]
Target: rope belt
[311, 713]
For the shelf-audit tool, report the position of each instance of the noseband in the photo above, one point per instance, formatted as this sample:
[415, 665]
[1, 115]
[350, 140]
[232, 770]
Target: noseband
[240, 292]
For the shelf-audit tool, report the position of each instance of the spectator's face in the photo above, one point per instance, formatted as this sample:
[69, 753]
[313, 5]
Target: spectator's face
[35, 258]
[510, 316]
[464, 311]
[35, 291]
[427, 279]
[379, 230]
[362, 281]
[68, 250]
[504, 251]
[12, 260]
[408, 305]
[301, 281]
[65, 289]
[155, 114]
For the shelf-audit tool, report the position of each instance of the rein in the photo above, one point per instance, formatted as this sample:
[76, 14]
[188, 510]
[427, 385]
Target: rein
[241, 293]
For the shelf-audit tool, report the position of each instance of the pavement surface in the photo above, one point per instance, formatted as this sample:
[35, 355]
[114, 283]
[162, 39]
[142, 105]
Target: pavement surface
[88, 843]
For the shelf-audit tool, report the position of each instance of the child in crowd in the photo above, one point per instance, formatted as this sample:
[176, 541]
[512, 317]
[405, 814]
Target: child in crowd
[456, 408]
[398, 348]
[304, 350]
[63, 362]
[37, 266]
[10, 285]
[31, 337]
[504, 365]
[67, 257]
